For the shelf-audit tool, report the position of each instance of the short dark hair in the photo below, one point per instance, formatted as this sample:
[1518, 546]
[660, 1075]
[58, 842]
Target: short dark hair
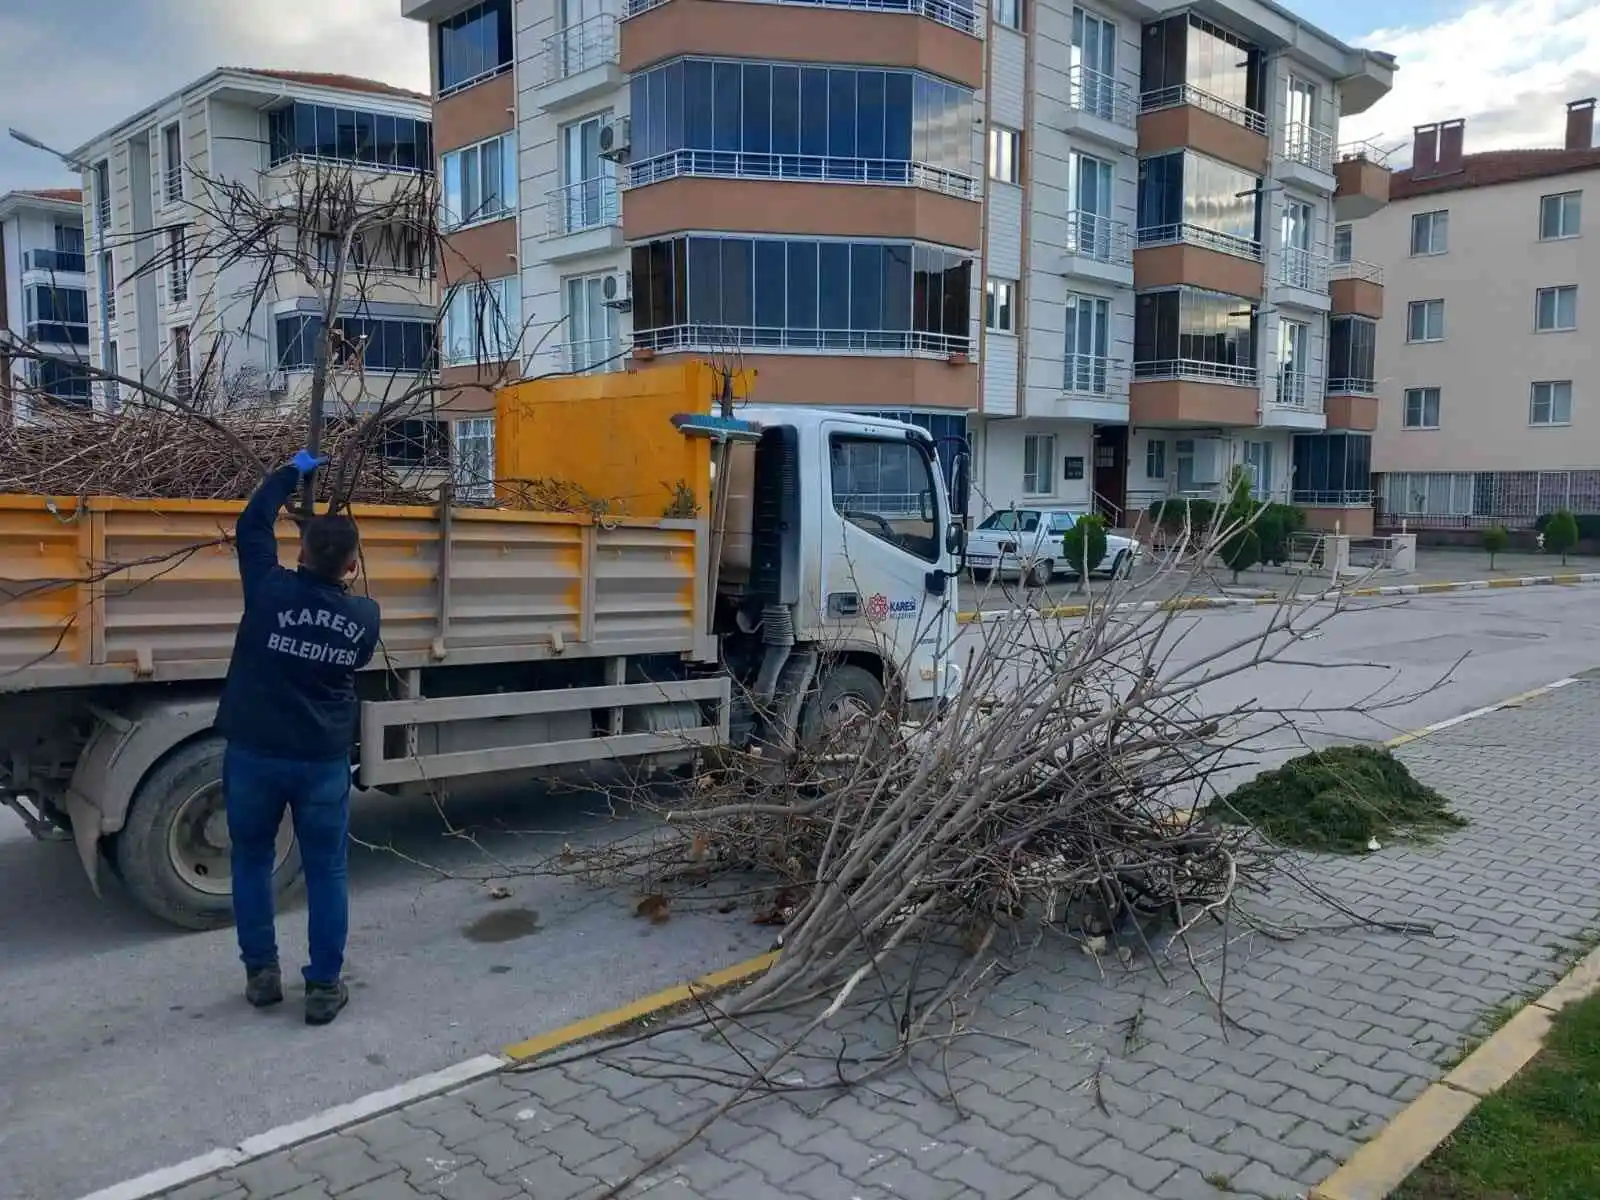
[330, 542]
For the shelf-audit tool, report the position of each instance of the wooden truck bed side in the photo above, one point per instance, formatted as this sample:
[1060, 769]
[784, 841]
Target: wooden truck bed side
[103, 590]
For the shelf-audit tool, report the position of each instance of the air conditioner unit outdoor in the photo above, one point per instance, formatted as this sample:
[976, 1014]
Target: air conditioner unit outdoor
[615, 139]
[616, 292]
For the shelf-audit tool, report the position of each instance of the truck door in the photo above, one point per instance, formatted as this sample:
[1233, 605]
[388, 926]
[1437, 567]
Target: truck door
[882, 522]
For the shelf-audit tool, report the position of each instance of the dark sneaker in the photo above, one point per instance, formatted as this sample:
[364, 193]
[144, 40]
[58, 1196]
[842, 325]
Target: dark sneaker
[324, 1001]
[263, 987]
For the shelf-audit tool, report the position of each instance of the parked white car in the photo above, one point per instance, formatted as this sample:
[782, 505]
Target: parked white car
[1026, 542]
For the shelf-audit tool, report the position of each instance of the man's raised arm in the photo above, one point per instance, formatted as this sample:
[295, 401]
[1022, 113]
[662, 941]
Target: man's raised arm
[256, 531]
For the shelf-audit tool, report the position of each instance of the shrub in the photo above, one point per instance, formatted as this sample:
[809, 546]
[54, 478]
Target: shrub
[1588, 525]
[1169, 515]
[1495, 541]
[1083, 547]
[1561, 533]
[1241, 551]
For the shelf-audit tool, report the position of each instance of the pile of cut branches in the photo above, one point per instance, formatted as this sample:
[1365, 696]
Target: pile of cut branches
[149, 453]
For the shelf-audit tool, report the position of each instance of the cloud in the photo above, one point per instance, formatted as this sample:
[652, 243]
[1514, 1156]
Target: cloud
[1508, 66]
[121, 55]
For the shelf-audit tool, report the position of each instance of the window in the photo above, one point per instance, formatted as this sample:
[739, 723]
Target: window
[999, 308]
[61, 379]
[779, 121]
[480, 182]
[593, 342]
[1039, 464]
[1005, 155]
[1258, 467]
[1093, 70]
[1559, 216]
[57, 316]
[483, 322]
[886, 488]
[588, 182]
[393, 346]
[182, 377]
[1425, 321]
[1184, 52]
[1551, 404]
[1088, 346]
[1332, 468]
[69, 242]
[177, 266]
[1352, 355]
[102, 194]
[1008, 13]
[1089, 221]
[1343, 242]
[895, 297]
[418, 443]
[1189, 333]
[475, 45]
[1430, 233]
[1556, 309]
[472, 461]
[949, 434]
[1303, 142]
[108, 285]
[112, 389]
[1294, 354]
[1295, 224]
[1422, 408]
[1155, 459]
[313, 131]
[172, 163]
[1192, 197]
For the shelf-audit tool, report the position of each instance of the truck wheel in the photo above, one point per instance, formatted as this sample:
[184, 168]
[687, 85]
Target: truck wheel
[842, 715]
[172, 853]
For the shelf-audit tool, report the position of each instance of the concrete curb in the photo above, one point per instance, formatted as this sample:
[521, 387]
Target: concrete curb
[1189, 603]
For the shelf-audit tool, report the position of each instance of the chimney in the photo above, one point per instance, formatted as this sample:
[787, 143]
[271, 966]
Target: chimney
[1452, 135]
[1580, 124]
[1424, 151]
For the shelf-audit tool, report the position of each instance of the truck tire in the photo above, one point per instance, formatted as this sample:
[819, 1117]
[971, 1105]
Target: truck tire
[844, 691]
[172, 853]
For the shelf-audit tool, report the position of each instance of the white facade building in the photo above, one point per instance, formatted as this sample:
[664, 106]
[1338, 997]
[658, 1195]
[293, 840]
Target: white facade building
[43, 299]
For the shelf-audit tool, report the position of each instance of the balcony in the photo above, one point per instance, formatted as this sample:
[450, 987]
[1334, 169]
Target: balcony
[1305, 156]
[1294, 402]
[1355, 288]
[1180, 117]
[55, 262]
[1352, 404]
[580, 61]
[722, 338]
[1094, 388]
[1187, 255]
[1361, 181]
[1301, 278]
[1193, 392]
[595, 356]
[1101, 108]
[800, 168]
[1098, 248]
[582, 218]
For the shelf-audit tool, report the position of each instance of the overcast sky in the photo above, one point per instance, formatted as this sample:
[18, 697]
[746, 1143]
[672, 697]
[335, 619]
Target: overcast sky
[72, 68]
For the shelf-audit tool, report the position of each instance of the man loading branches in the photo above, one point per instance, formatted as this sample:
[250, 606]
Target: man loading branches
[289, 713]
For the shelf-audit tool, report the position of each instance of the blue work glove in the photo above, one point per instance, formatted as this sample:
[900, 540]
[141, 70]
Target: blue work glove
[305, 463]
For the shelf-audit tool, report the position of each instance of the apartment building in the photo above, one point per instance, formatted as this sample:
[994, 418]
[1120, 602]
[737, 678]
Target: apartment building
[1489, 385]
[43, 300]
[1092, 242]
[156, 191]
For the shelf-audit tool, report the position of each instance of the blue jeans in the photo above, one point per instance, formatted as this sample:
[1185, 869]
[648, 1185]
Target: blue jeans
[317, 795]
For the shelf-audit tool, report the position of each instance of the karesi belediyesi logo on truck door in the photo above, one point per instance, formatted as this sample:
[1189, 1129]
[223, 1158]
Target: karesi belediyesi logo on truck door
[880, 607]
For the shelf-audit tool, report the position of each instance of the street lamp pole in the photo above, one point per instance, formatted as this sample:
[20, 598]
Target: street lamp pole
[71, 163]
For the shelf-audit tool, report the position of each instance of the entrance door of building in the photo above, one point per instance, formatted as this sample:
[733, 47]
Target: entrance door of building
[1111, 473]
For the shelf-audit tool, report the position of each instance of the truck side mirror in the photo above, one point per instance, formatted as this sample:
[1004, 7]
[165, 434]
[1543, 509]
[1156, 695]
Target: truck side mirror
[955, 539]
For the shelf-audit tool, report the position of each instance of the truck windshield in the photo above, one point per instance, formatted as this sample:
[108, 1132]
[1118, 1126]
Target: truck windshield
[1012, 520]
[887, 488]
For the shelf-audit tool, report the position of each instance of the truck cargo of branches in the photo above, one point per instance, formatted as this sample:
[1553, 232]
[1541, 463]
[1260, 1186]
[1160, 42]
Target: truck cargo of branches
[774, 577]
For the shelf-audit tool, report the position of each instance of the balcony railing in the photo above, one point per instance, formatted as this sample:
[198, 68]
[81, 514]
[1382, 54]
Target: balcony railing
[1196, 369]
[58, 333]
[1363, 152]
[1199, 235]
[1095, 375]
[581, 47]
[66, 262]
[1304, 269]
[102, 214]
[1090, 235]
[812, 168]
[1180, 94]
[1349, 385]
[481, 77]
[580, 357]
[758, 337]
[1354, 268]
[1102, 96]
[1298, 391]
[1347, 498]
[956, 16]
[587, 204]
[1308, 146]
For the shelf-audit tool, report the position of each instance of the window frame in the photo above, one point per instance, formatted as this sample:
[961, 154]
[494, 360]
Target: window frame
[1554, 291]
[171, 166]
[920, 450]
[1423, 307]
[1344, 232]
[1003, 154]
[1422, 395]
[1551, 422]
[1000, 305]
[493, 325]
[1155, 459]
[182, 356]
[1040, 483]
[1010, 14]
[177, 265]
[504, 25]
[454, 162]
[467, 430]
[1437, 219]
[1561, 235]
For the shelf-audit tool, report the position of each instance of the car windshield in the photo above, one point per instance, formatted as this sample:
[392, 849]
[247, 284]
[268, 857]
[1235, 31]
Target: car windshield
[1012, 520]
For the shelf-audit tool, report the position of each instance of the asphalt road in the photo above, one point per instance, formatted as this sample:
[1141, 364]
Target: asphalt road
[126, 1045]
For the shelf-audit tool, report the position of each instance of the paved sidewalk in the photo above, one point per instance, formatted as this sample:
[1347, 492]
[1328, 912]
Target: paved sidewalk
[1105, 1089]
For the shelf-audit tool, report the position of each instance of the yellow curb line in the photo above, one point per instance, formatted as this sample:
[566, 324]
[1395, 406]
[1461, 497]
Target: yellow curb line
[648, 1006]
[1509, 702]
[1388, 1160]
